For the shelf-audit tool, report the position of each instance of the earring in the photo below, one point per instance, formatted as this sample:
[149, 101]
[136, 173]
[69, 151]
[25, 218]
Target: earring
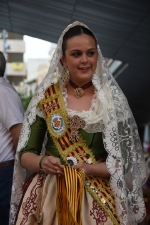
[65, 75]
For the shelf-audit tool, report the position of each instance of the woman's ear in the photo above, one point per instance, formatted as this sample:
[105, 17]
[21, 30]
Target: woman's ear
[63, 61]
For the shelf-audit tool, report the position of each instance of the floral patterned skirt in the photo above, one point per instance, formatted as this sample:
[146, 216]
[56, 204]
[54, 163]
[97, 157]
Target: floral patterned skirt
[38, 205]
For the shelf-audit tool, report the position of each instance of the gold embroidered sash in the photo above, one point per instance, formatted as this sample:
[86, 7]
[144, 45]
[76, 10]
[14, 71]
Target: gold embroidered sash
[57, 121]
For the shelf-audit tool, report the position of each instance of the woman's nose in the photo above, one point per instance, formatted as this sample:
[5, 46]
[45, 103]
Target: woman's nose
[84, 58]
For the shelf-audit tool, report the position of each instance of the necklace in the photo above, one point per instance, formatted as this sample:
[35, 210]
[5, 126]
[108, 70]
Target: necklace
[79, 91]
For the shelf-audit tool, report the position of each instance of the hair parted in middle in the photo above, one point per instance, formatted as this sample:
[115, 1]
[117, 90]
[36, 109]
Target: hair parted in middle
[75, 31]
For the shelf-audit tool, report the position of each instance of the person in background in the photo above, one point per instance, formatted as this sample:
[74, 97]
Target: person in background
[11, 119]
[93, 169]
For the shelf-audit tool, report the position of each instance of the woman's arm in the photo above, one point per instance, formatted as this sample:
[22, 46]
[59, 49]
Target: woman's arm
[30, 161]
[30, 156]
[49, 164]
[99, 170]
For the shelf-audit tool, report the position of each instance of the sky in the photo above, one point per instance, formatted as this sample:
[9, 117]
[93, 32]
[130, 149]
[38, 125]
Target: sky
[36, 48]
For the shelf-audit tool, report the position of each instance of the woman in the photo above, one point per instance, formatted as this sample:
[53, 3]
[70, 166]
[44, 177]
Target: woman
[78, 179]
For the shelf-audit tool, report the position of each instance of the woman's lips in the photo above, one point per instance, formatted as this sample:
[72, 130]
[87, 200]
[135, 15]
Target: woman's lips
[84, 69]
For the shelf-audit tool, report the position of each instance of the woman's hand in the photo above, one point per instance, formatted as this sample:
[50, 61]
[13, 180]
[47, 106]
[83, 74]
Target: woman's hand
[84, 166]
[52, 165]
[99, 170]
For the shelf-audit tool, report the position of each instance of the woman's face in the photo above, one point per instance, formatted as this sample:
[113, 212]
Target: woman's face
[80, 58]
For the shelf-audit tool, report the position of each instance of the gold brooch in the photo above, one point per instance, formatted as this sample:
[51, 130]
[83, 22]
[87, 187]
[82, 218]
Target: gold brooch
[75, 123]
[79, 92]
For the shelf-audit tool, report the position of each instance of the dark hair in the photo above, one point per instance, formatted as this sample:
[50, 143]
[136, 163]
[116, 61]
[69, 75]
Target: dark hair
[75, 31]
[2, 64]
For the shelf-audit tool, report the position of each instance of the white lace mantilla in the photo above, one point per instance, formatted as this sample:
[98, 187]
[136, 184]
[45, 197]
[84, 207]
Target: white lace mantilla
[113, 117]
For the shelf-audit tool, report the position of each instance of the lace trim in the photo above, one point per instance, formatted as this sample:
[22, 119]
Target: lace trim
[92, 117]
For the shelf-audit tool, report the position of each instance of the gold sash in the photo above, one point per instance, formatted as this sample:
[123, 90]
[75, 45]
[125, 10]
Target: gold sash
[57, 121]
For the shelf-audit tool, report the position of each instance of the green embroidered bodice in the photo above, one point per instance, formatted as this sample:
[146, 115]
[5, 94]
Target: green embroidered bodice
[38, 129]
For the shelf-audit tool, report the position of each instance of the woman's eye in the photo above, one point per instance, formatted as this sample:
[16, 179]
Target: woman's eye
[90, 53]
[76, 54]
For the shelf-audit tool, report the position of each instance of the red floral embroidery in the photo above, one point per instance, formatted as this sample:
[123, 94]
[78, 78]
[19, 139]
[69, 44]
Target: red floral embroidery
[30, 205]
[98, 213]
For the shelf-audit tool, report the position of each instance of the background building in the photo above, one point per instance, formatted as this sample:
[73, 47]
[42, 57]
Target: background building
[15, 67]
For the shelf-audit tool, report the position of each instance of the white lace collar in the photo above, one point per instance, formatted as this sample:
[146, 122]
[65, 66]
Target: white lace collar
[92, 116]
